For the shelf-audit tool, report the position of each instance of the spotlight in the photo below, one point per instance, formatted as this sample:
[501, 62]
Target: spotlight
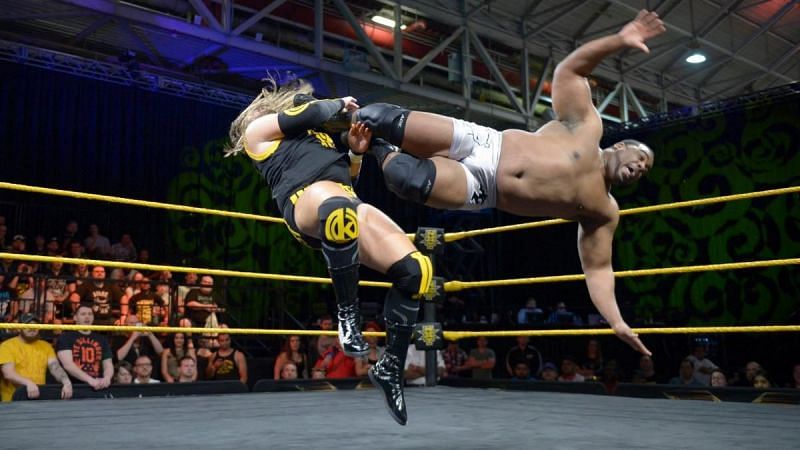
[385, 21]
[696, 58]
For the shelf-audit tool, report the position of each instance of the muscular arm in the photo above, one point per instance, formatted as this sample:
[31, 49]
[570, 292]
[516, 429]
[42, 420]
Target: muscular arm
[59, 374]
[65, 357]
[594, 247]
[572, 101]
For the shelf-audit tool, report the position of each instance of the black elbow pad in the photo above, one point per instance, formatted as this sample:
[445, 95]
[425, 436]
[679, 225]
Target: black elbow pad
[307, 116]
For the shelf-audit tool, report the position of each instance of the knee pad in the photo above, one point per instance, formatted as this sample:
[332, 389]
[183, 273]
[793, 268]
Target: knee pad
[412, 274]
[411, 277]
[338, 221]
[410, 178]
[386, 121]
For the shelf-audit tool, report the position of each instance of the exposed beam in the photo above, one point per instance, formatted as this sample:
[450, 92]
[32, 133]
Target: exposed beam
[707, 43]
[495, 71]
[552, 20]
[588, 24]
[44, 16]
[778, 63]
[134, 14]
[611, 95]
[431, 54]
[398, 41]
[537, 95]
[90, 30]
[763, 29]
[142, 44]
[635, 100]
[255, 18]
[530, 10]
[362, 36]
[206, 14]
[319, 29]
[211, 50]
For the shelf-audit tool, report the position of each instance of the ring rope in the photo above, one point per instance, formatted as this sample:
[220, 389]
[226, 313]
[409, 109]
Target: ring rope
[130, 201]
[453, 286]
[450, 335]
[218, 272]
[455, 236]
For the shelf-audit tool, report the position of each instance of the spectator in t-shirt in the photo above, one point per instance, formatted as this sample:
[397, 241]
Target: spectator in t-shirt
[569, 370]
[104, 297]
[86, 355]
[530, 314]
[143, 371]
[521, 372]
[455, 360]
[335, 363]
[549, 372]
[718, 378]
[686, 375]
[200, 303]
[137, 344]
[146, 305]
[702, 365]
[481, 360]
[97, 246]
[58, 286]
[124, 250]
[561, 315]
[416, 363]
[523, 352]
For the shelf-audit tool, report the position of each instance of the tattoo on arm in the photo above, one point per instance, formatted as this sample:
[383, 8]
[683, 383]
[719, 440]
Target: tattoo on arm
[57, 371]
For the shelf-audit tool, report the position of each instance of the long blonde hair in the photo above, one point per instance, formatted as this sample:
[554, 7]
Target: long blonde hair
[272, 99]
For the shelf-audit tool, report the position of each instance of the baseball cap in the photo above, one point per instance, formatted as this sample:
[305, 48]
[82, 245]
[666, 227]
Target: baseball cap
[29, 318]
[19, 237]
[54, 239]
[549, 365]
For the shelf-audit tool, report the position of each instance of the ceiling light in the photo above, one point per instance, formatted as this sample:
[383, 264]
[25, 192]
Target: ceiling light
[386, 22]
[696, 58]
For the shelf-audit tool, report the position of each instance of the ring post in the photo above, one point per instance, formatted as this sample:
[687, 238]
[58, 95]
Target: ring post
[428, 334]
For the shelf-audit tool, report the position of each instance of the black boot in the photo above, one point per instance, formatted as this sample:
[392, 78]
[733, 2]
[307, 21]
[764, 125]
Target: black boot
[387, 373]
[349, 314]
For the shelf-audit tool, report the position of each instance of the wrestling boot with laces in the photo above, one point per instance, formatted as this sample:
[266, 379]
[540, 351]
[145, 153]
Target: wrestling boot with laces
[350, 336]
[387, 373]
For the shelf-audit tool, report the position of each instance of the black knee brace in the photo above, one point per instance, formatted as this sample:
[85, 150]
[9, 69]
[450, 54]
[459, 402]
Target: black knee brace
[410, 178]
[385, 120]
[338, 222]
[410, 277]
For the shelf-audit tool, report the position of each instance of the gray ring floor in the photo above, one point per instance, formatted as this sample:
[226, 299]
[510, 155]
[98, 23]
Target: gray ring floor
[440, 417]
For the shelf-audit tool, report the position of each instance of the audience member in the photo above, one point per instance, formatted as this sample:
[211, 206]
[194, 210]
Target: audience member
[760, 380]
[146, 305]
[204, 353]
[455, 360]
[530, 314]
[375, 351]
[522, 372]
[525, 353]
[58, 286]
[592, 364]
[143, 371]
[123, 373]
[201, 304]
[718, 378]
[319, 345]
[749, 372]
[104, 297]
[610, 376]
[646, 373]
[189, 282]
[97, 246]
[124, 250]
[481, 360]
[178, 347]
[569, 371]
[39, 245]
[25, 360]
[53, 248]
[415, 366]
[795, 383]
[335, 363]
[8, 304]
[702, 365]
[187, 370]
[70, 235]
[138, 343]
[291, 352]
[686, 375]
[81, 274]
[86, 355]
[23, 284]
[549, 372]
[226, 363]
[561, 315]
[288, 371]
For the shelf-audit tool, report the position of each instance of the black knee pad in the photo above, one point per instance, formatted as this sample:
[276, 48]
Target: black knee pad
[410, 178]
[338, 222]
[412, 274]
[386, 121]
[410, 277]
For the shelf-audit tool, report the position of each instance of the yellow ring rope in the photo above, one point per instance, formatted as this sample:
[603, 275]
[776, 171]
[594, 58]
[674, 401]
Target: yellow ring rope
[453, 286]
[219, 272]
[450, 335]
[450, 237]
[130, 201]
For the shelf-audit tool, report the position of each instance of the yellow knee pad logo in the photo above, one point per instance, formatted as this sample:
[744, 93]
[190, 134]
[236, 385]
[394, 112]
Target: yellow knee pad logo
[341, 226]
[426, 273]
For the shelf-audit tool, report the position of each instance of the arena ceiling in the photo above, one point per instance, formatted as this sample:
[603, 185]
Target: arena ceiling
[512, 44]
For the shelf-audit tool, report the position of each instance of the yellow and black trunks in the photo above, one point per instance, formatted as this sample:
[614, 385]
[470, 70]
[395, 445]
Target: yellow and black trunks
[288, 214]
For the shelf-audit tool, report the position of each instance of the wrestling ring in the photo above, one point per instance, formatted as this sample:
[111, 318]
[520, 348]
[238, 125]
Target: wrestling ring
[439, 417]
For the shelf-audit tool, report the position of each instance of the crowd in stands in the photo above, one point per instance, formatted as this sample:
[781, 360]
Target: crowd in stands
[57, 293]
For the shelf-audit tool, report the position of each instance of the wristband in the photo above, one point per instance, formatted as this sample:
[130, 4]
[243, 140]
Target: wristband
[355, 157]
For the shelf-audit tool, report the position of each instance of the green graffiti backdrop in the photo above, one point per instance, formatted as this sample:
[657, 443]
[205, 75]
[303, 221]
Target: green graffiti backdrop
[748, 150]
[209, 180]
